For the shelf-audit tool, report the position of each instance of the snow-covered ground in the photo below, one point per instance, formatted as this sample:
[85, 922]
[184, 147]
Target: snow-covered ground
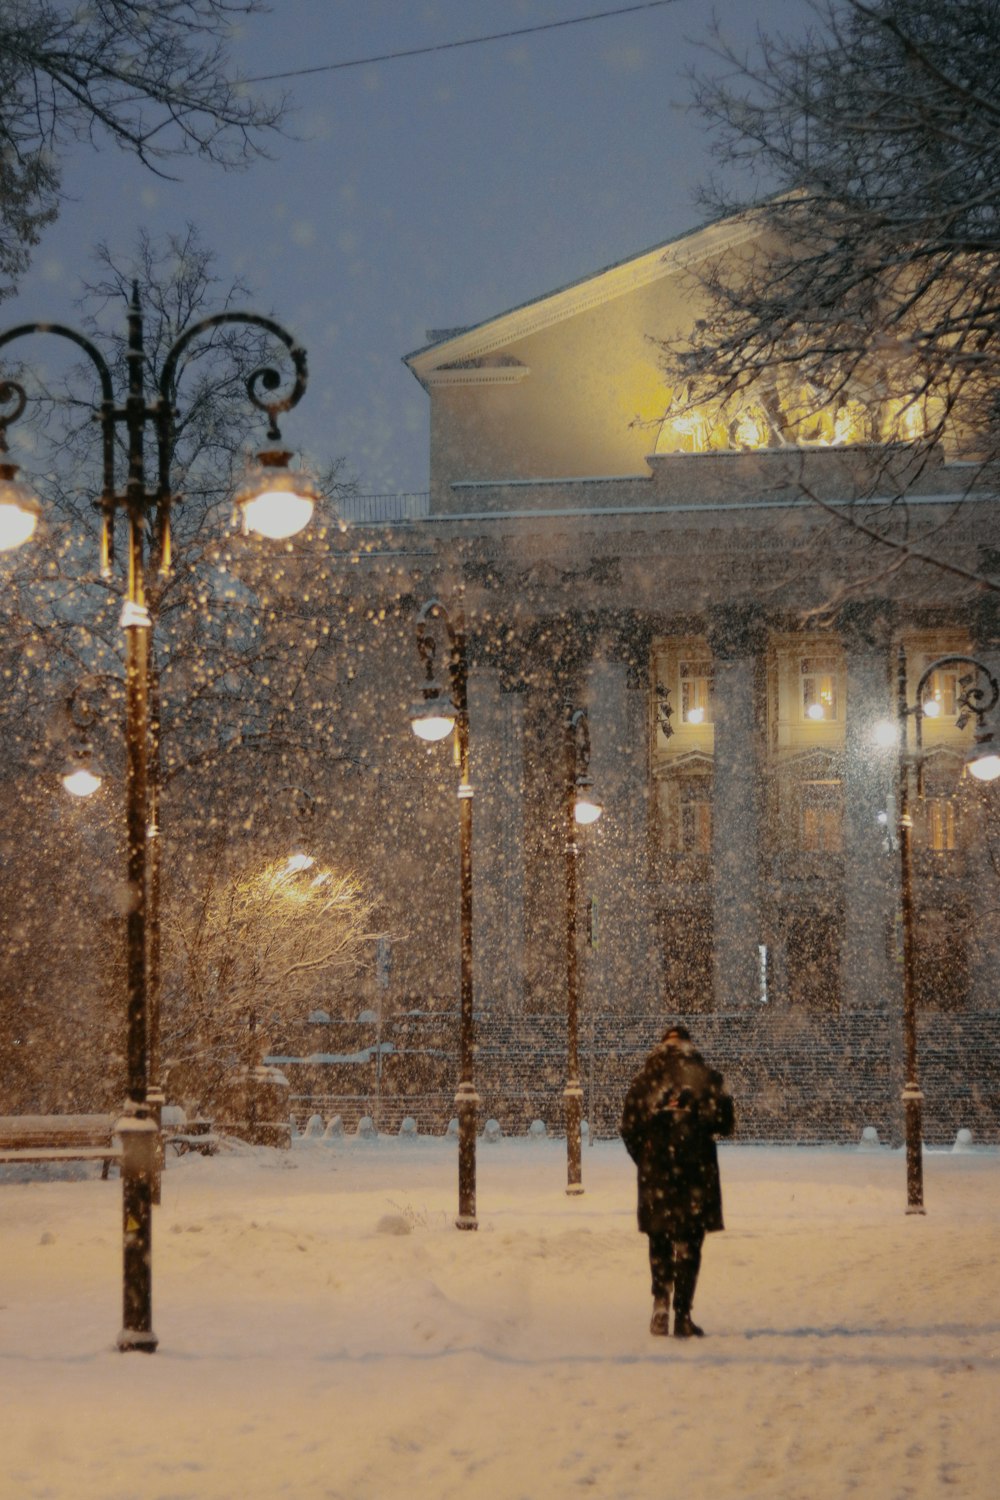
[325, 1332]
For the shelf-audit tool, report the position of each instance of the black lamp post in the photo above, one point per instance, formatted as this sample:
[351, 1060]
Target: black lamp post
[983, 762]
[434, 718]
[579, 808]
[275, 502]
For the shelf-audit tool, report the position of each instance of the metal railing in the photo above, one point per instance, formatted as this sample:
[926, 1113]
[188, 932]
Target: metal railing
[372, 509]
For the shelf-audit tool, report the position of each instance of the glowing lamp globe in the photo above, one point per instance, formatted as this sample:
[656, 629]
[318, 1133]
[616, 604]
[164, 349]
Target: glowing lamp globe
[585, 808]
[433, 718]
[19, 510]
[274, 500]
[983, 760]
[82, 781]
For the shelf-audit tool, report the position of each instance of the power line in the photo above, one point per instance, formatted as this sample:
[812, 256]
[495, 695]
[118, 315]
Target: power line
[472, 41]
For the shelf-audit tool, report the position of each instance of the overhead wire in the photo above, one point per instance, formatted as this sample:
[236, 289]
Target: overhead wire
[472, 41]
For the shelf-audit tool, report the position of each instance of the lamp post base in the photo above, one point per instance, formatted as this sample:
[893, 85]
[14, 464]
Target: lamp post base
[573, 1101]
[129, 1339]
[913, 1114]
[466, 1104]
[138, 1134]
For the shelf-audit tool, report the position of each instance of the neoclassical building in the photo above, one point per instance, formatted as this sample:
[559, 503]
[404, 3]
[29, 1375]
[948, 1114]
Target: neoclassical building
[694, 578]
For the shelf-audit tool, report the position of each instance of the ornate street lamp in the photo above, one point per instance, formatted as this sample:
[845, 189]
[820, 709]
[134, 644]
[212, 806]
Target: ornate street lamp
[437, 715]
[147, 511]
[983, 762]
[83, 773]
[580, 809]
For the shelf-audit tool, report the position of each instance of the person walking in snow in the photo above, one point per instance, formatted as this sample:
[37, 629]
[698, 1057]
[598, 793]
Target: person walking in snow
[674, 1109]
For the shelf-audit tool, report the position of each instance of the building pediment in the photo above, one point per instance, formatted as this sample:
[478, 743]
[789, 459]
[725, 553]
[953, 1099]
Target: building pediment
[459, 348]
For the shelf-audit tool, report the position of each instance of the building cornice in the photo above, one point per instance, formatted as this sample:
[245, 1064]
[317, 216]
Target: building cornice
[477, 375]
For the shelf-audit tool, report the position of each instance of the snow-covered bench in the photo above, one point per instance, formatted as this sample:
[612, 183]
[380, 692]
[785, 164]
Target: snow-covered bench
[44, 1138]
[184, 1135]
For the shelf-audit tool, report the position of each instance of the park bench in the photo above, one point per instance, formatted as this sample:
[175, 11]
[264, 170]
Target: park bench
[45, 1138]
[183, 1135]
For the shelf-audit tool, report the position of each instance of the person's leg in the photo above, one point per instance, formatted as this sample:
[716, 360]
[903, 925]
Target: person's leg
[687, 1264]
[661, 1267]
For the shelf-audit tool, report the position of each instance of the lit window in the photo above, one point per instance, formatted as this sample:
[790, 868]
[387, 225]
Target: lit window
[937, 826]
[696, 815]
[942, 692]
[696, 692]
[821, 823]
[819, 688]
[940, 812]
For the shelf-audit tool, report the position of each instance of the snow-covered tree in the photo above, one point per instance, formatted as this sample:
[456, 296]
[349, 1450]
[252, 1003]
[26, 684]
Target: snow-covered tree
[256, 946]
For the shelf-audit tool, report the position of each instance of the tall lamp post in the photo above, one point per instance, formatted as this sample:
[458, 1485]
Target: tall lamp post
[275, 501]
[983, 762]
[579, 809]
[435, 717]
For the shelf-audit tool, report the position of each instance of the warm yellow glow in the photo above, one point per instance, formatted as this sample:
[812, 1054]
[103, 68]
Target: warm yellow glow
[19, 510]
[750, 431]
[752, 421]
[82, 782]
[298, 862]
[912, 422]
[276, 501]
[585, 809]
[850, 424]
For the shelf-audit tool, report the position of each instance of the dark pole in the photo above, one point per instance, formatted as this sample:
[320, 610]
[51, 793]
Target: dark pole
[466, 1098]
[155, 1095]
[451, 717]
[138, 1129]
[912, 1095]
[573, 1092]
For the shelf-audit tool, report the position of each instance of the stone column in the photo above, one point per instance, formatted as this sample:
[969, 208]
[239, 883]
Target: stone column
[618, 973]
[737, 638]
[496, 756]
[869, 972]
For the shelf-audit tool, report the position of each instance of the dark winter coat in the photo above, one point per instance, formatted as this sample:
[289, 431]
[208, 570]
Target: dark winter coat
[674, 1109]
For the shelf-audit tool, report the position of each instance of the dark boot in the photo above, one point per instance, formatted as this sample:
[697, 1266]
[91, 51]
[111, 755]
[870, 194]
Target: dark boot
[659, 1323]
[684, 1328]
[688, 1264]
